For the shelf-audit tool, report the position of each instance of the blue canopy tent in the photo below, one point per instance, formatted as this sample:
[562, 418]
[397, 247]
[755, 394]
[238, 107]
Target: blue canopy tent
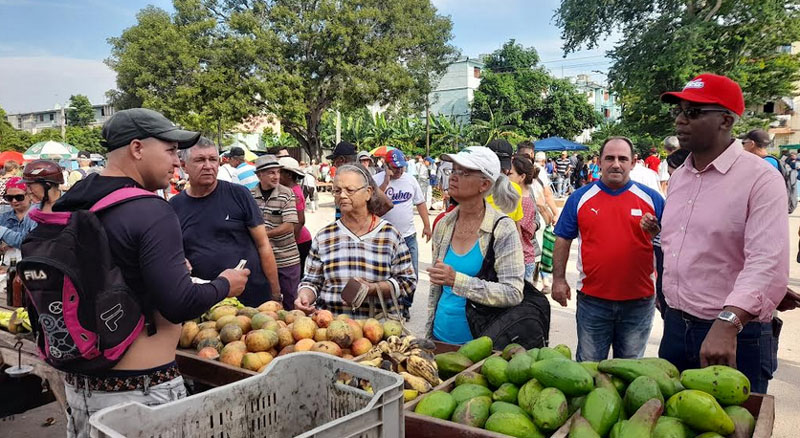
[558, 144]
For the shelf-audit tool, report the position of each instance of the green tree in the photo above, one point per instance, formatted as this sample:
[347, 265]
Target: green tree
[514, 84]
[80, 112]
[666, 42]
[12, 139]
[283, 140]
[86, 138]
[185, 65]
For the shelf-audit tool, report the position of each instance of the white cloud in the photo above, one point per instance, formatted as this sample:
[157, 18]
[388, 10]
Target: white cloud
[39, 83]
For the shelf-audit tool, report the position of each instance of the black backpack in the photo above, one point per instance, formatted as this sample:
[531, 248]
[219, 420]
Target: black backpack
[527, 323]
[84, 315]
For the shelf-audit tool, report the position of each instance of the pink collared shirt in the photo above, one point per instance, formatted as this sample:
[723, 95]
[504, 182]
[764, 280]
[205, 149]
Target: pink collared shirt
[725, 236]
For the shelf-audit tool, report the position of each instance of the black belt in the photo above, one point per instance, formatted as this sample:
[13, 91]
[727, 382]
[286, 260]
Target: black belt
[688, 316]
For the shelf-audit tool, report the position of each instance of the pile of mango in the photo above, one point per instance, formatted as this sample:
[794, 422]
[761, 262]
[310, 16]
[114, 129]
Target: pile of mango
[251, 338]
[531, 394]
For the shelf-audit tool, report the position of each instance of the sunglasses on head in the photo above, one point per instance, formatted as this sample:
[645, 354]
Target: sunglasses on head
[18, 198]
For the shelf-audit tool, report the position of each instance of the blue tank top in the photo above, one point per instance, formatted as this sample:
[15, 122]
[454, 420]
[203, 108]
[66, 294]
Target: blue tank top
[450, 322]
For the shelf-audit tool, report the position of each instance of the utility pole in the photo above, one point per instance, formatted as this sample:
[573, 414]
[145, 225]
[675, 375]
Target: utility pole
[427, 125]
[338, 126]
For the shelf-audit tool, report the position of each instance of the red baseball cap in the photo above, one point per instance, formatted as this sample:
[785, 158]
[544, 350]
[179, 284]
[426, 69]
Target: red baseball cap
[710, 88]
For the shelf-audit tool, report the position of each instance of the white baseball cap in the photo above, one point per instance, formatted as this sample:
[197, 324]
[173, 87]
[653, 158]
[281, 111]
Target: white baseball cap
[477, 158]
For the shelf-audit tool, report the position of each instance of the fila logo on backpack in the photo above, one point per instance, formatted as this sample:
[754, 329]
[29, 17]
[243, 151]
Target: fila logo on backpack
[84, 315]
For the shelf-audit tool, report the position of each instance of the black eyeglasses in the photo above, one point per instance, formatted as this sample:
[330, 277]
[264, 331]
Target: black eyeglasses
[18, 198]
[694, 112]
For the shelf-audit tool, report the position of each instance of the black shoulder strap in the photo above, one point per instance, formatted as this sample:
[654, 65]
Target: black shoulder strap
[487, 271]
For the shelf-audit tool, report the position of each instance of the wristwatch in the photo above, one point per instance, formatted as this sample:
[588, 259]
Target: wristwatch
[731, 318]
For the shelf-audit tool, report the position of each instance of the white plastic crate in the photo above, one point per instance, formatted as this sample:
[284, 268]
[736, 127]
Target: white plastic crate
[297, 396]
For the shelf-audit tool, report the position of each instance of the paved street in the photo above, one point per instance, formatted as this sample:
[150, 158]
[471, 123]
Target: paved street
[785, 386]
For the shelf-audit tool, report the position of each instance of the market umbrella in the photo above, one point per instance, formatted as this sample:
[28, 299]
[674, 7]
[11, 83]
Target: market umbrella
[50, 150]
[558, 144]
[10, 155]
[381, 151]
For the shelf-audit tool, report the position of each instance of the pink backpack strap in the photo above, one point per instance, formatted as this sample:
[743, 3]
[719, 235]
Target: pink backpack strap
[119, 196]
[53, 218]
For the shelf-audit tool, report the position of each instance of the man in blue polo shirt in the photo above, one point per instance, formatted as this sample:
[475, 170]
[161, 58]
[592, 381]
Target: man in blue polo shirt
[616, 286]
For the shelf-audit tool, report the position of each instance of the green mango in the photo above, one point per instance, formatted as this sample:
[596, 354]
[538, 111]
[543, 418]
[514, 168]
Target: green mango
[617, 429]
[451, 363]
[700, 411]
[550, 410]
[494, 369]
[710, 435]
[591, 367]
[603, 380]
[728, 385]
[642, 423]
[533, 353]
[501, 406]
[580, 428]
[743, 421]
[668, 427]
[473, 412]
[664, 364]
[519, 369]
[512, 350]
[575, 403]
[566, 375]
[477, 349]
[438, 404]
[642, 389]
[620, 384]
[601, 409]
[528, 394]
[549, 353]
[630, 369]
[472, 377]
[469, 390]
[512, 424]
[564, 350]
[507, 392]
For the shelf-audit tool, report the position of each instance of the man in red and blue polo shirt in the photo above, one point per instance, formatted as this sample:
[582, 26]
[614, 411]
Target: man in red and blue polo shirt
[616, 284]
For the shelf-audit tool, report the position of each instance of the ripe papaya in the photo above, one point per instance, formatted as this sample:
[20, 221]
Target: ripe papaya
[566, 375]
[728, 385]
[700, 411]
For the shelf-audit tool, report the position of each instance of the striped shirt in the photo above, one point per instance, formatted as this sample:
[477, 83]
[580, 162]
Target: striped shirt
[562, 166]
[277, 209]
[246, 175]
[337, 255]
[508, 263]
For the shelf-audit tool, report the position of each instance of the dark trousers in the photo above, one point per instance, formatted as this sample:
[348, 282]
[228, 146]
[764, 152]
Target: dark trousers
[756, 346]
[304, 248]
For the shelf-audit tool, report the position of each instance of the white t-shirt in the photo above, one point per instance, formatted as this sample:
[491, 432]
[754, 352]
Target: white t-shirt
[663, 170]
[227, 173]
[543, 178]
[405, 194]
[644, 175]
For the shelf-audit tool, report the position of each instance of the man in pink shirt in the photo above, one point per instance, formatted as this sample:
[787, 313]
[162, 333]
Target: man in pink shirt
[725, 240]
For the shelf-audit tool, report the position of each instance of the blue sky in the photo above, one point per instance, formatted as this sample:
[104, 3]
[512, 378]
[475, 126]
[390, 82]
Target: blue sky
[50, 49]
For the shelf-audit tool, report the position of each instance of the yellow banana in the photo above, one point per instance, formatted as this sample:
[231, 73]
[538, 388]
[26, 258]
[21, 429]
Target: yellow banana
[423, 368]
[372, 362]
[410, 394]
[417, 383]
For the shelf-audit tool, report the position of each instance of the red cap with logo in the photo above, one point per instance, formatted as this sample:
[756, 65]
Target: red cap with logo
[710, 88]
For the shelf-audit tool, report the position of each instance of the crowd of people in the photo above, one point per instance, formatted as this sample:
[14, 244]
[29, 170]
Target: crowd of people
[699, 234]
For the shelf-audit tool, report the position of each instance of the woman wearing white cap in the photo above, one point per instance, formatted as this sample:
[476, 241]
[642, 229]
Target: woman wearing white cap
[461, 242]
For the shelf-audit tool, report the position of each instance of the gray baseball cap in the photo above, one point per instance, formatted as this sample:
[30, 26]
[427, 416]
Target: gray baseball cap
[140, 123]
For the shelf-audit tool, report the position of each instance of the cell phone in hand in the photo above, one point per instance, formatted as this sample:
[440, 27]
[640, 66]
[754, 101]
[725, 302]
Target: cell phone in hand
[241, 265]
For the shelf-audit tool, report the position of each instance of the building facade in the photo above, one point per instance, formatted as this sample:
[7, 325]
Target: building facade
[36, 121]
[600, 97]
[454, 93]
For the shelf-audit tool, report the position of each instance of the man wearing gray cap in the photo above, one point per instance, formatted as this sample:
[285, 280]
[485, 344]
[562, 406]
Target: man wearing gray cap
[144, 239]
[278, 209]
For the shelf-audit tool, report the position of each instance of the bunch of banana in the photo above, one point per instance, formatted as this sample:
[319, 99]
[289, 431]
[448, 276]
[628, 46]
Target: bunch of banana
[409, 356]
[15, 321]
[230, 301]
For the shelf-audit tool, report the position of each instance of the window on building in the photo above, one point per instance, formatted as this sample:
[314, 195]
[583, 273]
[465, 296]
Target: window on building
[102, 111]
[606, 113]
[476, 72]
[41, 117]
[605, 95]
[51, 116]
[769, 107]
